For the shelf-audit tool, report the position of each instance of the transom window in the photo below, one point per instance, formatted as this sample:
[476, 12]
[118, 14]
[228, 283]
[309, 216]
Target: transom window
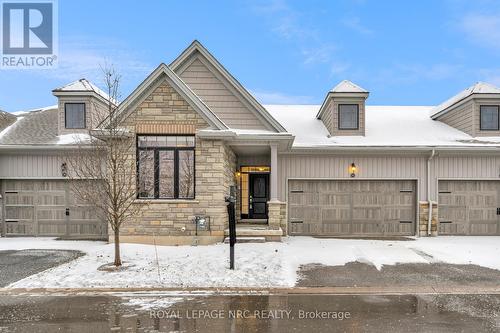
[489, 118]
[165, 167]
[74, 115]
[348, 116]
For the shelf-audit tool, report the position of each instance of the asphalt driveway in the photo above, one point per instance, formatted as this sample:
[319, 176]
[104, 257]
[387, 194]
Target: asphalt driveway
[356, 274]
[17, 265]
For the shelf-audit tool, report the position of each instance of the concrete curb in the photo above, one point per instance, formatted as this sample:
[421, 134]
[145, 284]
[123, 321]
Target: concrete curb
[406, 290]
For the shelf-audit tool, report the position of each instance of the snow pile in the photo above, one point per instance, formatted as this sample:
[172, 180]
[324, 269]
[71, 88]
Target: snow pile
[257, 265]
[73, 138]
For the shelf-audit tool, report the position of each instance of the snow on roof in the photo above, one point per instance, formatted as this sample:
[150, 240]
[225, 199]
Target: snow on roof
[478, 88]
[83, 85]
[396, 126]
[73, 138]
[8, 128]
[347, 86]
[19, 113]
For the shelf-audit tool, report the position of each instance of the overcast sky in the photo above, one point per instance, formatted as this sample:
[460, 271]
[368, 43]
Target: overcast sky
[284, 52]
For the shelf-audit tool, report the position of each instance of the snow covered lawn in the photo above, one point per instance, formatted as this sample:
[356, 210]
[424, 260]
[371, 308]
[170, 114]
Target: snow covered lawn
[257, 265]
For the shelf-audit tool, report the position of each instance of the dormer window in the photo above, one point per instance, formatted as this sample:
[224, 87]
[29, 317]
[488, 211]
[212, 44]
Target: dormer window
[348, 116]
[489, 118]
[74, 115]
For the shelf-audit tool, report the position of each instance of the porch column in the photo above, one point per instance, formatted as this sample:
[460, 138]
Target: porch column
[274, 172]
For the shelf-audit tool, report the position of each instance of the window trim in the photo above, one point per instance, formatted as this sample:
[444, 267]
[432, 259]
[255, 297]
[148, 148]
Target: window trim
[339, 120]
[156, 162]
[481, 116]
[84, 115]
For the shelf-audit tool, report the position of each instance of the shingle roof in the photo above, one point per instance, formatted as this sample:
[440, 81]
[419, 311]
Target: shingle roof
[82, 85]
[32, 128]
[477, 88]
[347, 86]
[6, 119]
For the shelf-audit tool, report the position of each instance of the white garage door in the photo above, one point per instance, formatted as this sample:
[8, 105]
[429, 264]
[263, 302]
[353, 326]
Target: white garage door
[48, 208]
[352, 207]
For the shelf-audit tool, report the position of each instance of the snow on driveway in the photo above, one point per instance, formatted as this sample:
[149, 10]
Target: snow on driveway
[257, 265]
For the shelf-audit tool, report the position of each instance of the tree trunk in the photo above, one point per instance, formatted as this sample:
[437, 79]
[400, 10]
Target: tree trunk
[118, 260]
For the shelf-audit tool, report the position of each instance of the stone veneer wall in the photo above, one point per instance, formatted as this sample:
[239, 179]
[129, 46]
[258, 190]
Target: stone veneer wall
[171, 221]
[277, 215]
[424, 218]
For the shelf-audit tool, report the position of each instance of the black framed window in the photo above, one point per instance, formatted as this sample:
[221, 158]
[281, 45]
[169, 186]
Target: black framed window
[489, 118]
[348, 116]
[165, 167]
[74, 115]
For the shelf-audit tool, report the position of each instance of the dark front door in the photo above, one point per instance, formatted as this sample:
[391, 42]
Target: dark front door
[259, 195]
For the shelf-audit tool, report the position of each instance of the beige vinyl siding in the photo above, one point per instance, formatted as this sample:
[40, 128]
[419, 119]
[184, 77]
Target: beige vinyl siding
[327, 117]
[215, 93]
[331, 116]
[463, 167]
[30, 165]
[477, 116]
[461, 118]
[336, 167]
[443, 166]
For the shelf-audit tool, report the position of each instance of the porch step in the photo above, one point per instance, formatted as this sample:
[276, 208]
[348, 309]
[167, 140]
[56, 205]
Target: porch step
[255, 231]
[247, 240]
[253, 221]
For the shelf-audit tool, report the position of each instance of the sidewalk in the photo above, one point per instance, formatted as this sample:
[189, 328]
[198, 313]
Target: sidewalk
[407, 290]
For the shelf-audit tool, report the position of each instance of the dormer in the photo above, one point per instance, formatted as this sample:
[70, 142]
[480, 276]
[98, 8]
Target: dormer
[343, 110]
[82, 106]
[475, 110]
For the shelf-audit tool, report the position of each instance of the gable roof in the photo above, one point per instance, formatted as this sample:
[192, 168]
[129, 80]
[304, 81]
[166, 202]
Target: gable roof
[386, 127]
[347, 86]
[344, 88]
[256, 107]
[82, 86]
[161, 73]
[477, 88]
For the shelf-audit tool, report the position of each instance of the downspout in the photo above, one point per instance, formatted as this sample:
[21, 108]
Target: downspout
[429, 220]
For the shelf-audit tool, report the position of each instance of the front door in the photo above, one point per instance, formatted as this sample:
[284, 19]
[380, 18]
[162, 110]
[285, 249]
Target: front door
[259, 195]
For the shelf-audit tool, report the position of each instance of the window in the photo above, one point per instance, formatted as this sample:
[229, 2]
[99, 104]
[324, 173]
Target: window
[489, 118]
[348, 116]
[165, 167]
[74, 115]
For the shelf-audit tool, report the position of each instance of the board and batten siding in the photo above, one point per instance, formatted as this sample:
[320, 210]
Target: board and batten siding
[464, 167]
[336, 167]
[222, 100]
[29, 165]
[330, 166]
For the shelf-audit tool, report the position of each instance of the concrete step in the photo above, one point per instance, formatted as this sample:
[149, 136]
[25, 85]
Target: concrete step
[247, 240]
[255, 231]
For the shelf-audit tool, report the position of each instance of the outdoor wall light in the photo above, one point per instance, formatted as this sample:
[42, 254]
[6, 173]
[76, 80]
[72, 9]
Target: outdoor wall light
[64, 169]
[237, 174]
[353, 169]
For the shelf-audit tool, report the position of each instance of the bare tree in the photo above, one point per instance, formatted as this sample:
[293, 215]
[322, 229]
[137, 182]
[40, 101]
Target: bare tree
[103, 168]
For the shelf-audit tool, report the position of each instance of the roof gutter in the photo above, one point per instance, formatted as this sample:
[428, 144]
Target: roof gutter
[429, 219]
[315, 149]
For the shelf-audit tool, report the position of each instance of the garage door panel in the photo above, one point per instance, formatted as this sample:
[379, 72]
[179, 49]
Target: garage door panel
[38, 207]
[352, 207]
[469, 207]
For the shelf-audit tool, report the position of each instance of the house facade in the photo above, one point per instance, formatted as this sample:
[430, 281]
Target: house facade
[343, 168]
